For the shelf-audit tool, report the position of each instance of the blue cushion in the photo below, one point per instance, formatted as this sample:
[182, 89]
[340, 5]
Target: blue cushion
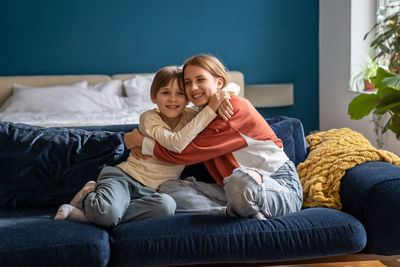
[291, 132]
[43, 167]
[193, 238]
[371, 192]
[33, 238]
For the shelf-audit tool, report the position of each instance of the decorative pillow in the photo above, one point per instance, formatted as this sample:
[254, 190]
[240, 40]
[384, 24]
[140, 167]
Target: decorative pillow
[138, 90]
[290, 131]
[43, 167]
[103, 97]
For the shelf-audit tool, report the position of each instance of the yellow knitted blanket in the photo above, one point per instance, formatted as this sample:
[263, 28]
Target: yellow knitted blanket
[331, 154]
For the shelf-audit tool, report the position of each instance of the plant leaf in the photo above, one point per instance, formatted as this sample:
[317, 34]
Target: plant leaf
[384, 48]
[395, 125]
[381, 74]
[362, 105]
[377, 81]
[391, 96]
[385, 108]
[392, 82]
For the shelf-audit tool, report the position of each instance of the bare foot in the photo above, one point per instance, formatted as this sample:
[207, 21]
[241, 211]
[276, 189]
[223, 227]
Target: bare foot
[88, 187]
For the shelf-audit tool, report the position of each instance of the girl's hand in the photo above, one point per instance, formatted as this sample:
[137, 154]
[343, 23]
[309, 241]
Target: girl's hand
[225, 110]
[220, 101]
[133, 139]
[136, 152]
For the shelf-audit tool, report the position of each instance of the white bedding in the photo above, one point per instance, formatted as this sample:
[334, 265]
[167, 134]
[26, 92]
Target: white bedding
[78, 104]
[75, 118]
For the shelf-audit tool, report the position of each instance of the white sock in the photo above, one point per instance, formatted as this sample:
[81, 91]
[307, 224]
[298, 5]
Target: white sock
[63, 212]
[89, 186]
[68, 212]
[259, 216]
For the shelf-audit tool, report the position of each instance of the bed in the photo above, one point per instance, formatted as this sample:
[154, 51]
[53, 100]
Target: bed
[79, 100]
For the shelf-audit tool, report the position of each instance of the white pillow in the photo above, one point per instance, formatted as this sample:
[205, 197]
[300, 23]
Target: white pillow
[113, 87]
[61, 98]
[20, 87]
[138, 89]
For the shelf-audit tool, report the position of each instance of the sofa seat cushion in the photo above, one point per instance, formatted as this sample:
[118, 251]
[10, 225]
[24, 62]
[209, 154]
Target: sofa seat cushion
[33, 238]
[193, 239]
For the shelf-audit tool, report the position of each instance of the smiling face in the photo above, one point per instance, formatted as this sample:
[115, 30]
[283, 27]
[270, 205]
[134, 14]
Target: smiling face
[200, 85]
[171, 102]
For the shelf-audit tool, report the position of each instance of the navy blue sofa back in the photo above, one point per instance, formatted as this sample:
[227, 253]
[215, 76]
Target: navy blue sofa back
[45, 167]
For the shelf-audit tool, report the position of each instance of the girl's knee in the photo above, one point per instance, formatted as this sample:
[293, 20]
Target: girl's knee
[255, 175]
[240, 183]
[167, 206]
[243, 193]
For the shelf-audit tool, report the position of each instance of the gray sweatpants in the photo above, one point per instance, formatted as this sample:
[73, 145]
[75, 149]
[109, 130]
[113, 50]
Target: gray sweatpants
[118, 198]
[191, 195]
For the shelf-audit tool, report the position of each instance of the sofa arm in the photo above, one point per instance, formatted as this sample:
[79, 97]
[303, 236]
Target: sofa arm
[371, 193]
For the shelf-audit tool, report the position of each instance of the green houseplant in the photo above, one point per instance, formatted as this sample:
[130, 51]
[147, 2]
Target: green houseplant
[387, 36]
[362, 80]
[386, 42]
[386, 100]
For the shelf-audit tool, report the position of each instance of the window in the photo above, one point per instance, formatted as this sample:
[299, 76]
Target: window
[363, 17]
[364, 14]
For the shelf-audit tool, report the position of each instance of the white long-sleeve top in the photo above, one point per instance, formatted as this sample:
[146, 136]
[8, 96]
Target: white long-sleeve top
[153, 172]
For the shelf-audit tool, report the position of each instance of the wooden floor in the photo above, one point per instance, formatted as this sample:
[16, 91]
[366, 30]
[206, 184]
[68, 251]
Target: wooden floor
[348, 264]
[353, 260]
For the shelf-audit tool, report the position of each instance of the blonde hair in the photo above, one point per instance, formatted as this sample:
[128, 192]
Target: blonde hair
[210, 64]
[164, 76]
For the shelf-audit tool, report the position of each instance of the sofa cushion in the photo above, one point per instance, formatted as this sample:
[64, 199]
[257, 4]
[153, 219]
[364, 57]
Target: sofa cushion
[46, 166]
[290, 131]
[43, 167]
[33, 238]
[194, 238]
[371, 192]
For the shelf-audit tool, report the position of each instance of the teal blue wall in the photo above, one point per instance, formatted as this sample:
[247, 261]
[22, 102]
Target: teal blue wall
[269, 41]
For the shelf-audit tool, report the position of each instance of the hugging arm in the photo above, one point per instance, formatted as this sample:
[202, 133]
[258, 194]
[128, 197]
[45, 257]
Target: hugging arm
[207, 145]
[177, 141]
[220, 138]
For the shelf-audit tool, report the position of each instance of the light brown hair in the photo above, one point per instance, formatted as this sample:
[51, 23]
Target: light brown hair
[210, 64]
[164, 76]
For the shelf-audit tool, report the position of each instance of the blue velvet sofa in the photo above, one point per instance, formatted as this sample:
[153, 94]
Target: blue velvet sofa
[42, 168]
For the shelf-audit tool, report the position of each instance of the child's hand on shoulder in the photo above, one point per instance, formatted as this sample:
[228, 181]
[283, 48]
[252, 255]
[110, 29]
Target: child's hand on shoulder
[220, 101]
[133, 139]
